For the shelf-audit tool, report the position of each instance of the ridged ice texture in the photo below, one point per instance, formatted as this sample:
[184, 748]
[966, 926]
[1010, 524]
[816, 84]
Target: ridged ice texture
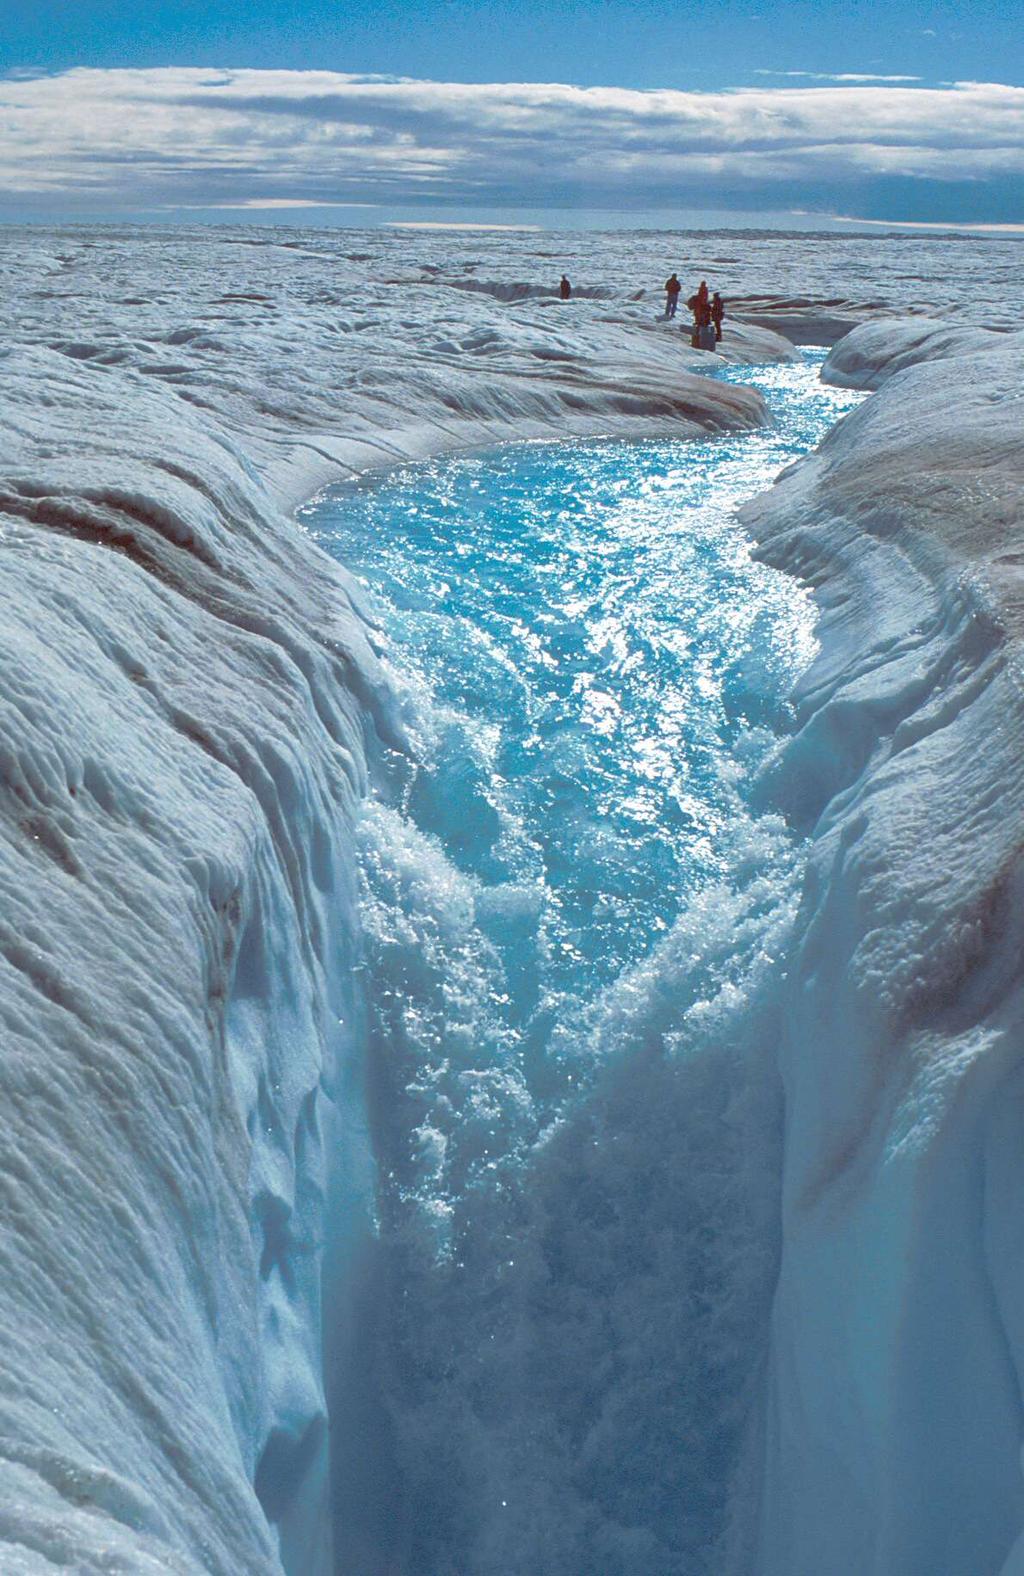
[181, 751]
[874, 352]
[186, 693]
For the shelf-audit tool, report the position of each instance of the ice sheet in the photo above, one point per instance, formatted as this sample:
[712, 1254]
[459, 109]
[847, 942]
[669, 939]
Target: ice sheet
[188, 695]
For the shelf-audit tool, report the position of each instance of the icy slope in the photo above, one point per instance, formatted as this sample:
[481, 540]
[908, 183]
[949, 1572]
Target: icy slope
[894, 1420]
[315, 365]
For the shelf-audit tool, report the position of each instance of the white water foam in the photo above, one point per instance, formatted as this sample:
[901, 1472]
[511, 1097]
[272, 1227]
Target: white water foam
[572, 918]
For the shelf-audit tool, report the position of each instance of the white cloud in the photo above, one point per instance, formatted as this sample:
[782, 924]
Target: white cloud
[130, 140]
[292, 202]
[836, 76]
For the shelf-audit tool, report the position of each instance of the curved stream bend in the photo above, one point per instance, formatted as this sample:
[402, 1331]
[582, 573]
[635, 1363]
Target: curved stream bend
[571, 911]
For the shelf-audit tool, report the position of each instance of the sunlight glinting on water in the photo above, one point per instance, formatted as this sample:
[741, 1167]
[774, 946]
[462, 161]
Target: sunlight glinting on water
[585, 636]
[570, 916]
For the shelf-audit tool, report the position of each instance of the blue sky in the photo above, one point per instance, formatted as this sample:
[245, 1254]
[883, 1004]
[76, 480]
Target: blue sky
[768, 119]
[652, 44]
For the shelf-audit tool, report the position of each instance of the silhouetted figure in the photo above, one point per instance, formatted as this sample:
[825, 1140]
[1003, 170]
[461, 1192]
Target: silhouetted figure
[673, 290]
[700, 305]
[717, 313]
[564, 288]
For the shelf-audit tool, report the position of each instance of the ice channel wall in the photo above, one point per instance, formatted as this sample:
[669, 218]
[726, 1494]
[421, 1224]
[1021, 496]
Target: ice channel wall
[893, 1414]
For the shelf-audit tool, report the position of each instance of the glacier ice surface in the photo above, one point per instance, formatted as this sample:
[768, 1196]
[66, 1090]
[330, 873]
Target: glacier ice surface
[189, 696]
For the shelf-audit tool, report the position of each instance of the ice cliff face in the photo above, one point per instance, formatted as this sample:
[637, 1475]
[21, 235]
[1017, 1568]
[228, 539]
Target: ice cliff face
[185, 693]
[893, 1416]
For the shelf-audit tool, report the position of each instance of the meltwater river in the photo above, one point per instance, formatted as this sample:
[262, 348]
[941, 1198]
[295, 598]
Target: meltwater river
[570, 910]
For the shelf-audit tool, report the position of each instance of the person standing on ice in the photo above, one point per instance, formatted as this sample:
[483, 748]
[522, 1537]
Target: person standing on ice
[673, 290]
[700, 305]
[717, 313]
[564, 288]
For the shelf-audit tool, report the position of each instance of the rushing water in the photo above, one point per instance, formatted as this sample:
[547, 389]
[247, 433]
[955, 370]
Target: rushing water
[570, 915]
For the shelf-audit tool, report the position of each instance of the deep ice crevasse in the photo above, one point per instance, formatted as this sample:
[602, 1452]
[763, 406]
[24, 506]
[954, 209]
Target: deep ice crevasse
[187, 695]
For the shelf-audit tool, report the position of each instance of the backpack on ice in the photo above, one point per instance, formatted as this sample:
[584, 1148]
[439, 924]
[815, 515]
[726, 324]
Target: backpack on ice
[706, 337]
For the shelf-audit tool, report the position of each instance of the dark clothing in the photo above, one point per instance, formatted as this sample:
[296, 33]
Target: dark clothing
[565, 289]
[700, 305]
[717, 313]
[673, 290]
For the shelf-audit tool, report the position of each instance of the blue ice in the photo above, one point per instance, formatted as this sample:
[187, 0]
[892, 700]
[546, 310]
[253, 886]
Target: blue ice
[571, 910]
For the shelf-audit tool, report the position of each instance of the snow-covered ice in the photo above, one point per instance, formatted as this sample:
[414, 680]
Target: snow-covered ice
[190, 697]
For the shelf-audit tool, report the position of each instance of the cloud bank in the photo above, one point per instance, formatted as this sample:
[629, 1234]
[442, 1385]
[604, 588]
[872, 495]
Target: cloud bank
[180, 138]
